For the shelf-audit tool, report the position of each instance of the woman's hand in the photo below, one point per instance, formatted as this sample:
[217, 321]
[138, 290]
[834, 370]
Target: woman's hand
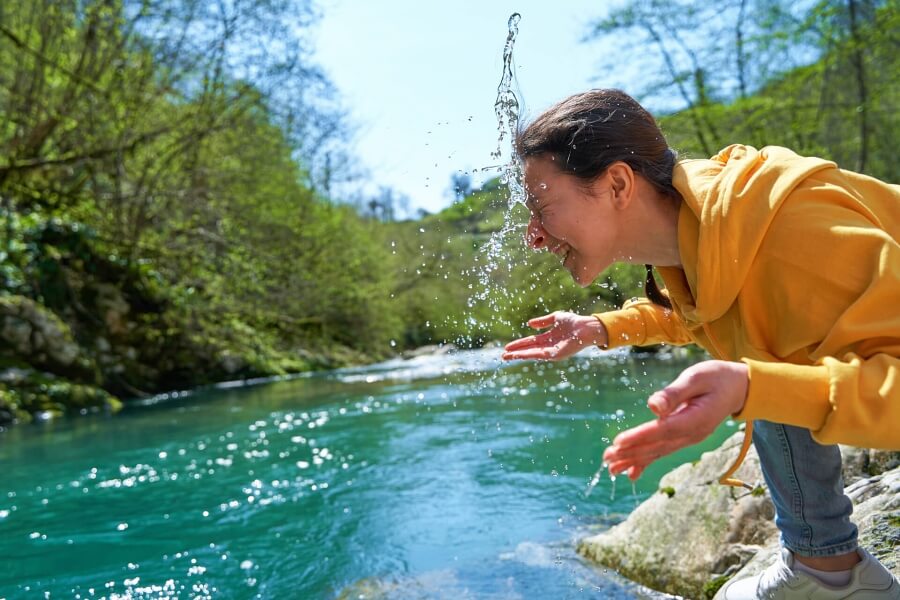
[568, 334]
[689, 409]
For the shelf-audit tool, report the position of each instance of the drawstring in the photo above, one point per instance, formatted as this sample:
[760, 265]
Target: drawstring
[727, 478]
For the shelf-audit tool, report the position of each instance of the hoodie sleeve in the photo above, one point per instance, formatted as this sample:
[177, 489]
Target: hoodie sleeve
[640, 322]
[824, 297]
[852, 401]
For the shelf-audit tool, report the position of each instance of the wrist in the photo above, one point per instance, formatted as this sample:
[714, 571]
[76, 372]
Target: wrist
[743, 377]
[599, 335]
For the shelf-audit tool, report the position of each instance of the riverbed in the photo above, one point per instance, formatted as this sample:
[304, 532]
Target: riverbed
[443, 476]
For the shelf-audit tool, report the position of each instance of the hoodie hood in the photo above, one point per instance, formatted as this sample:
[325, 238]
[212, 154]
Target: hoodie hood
[729, 203]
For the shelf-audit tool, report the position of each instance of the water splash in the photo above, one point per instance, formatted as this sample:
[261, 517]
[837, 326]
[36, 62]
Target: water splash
[595, 480]
[506, 105]
[506, 108]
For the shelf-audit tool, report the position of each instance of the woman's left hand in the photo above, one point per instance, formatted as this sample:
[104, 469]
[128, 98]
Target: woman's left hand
[689, 410]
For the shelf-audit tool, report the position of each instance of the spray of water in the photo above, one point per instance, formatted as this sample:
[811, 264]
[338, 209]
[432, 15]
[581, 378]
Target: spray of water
[506, 108]
[595, 480]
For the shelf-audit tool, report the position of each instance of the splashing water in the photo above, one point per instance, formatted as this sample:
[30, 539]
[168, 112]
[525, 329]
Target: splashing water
[612, 491]
[492, 256]
[506, 108]
[595, 480]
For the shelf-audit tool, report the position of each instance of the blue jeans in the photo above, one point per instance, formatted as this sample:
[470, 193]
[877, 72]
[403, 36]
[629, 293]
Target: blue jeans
[804, 479]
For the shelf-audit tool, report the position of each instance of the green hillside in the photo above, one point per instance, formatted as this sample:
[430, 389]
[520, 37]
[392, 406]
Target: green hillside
[166, 222]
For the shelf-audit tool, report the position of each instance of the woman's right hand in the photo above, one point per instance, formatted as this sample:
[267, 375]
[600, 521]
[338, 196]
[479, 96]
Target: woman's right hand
[568, 334]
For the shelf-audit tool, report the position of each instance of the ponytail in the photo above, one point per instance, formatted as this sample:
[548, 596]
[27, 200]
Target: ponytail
[651, 289]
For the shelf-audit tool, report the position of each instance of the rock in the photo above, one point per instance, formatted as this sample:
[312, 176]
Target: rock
[881, 461]
[712, 529]
[33, 331]
[431, 584]
[719, 532]
[44, 396]
[865, 462]
[876, 511]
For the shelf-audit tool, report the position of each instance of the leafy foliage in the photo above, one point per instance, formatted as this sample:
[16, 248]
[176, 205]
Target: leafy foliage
[820, 77]
[165, 168]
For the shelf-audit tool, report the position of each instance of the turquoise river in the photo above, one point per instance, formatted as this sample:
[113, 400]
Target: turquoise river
[452, 476]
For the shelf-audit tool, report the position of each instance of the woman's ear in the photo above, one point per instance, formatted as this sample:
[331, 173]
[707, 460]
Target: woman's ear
[620, 179]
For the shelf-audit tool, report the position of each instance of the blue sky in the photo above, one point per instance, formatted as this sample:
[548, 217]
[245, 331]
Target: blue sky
[419, 79]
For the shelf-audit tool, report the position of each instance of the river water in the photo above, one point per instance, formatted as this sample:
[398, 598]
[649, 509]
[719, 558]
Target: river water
[450, 476]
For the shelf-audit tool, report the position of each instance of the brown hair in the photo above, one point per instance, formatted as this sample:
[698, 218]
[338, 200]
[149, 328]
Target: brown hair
[587, 132]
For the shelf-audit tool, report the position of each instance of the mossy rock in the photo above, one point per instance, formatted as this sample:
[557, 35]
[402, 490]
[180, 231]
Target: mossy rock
[690, 518]
[711, 588]
[39, 393]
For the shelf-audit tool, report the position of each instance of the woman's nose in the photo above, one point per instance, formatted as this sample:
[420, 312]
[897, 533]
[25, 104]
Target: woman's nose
[535, 236]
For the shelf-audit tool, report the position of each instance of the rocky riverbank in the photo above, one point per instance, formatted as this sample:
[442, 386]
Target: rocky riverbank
[81, 328]
[695, 534]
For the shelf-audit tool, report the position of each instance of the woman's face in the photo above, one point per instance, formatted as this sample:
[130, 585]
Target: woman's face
[577, 223]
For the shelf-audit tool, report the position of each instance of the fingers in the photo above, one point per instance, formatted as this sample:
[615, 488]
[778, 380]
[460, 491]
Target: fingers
[631, 471]
[634, 472]
[682, 389]
[644, 454]
[536, 353]
[633, 463]
[662, 436]
[650, 432]
[661, 403]
[525, 342]
[533, 346]
[541, 322]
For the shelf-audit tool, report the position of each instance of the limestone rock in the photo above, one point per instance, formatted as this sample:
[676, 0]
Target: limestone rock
[718, 532]
[710, 528]
[876, 511]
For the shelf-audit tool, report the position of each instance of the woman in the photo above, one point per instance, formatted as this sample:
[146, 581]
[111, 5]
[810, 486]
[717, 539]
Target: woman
[784, 268]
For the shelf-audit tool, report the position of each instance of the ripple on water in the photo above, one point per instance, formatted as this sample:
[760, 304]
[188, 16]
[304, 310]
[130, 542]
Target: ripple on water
[395, 481]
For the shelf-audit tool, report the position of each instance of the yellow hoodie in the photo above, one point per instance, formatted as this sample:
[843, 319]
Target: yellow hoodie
[792, 266]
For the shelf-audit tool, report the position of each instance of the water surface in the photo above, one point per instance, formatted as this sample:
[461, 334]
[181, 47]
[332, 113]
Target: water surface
[439, 477]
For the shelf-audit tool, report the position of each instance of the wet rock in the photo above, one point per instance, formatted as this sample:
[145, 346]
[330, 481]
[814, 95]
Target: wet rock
[28, 393]
[432, 584]
[692, 542]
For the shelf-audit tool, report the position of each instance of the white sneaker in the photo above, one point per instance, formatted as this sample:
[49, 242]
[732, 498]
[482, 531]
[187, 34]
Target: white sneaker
[869, 580]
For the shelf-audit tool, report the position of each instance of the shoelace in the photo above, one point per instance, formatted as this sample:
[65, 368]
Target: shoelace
[773, 577]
